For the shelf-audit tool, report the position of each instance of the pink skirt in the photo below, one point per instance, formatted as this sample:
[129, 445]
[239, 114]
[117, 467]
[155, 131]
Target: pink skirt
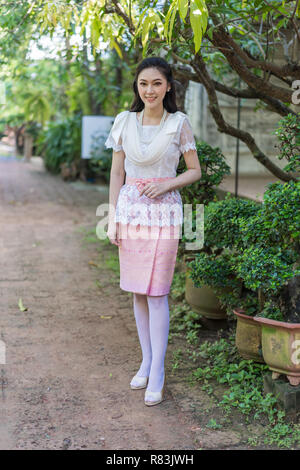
[147, 255]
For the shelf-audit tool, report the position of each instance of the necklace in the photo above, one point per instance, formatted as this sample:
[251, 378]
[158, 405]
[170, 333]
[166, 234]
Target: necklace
[162, 121]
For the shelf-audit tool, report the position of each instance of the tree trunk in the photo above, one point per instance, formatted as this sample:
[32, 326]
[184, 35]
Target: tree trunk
[19, 136]
[28, 145]
[181, 87]
[289, 300]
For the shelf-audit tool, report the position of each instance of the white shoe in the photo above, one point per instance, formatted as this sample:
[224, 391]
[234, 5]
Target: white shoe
[138, 382]
[154, 398]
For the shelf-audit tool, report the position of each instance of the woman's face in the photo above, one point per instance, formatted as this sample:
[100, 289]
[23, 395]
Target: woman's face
[152, 87]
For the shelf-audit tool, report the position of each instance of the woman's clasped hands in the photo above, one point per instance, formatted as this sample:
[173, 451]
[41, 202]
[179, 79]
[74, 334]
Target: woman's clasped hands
[154, 189]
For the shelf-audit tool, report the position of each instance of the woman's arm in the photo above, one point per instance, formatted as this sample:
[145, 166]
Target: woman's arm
[192, 174]
[187, 147]
[117, 176]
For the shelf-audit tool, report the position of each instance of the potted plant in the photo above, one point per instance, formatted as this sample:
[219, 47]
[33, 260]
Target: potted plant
[271, 263]
[248, 337]
[202, 298]
[253, 250]
[216, 267]
[261, 252]
[214, 168]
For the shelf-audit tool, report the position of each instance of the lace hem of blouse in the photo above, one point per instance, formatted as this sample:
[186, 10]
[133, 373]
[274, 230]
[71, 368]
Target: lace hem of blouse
[188, 146]
[164, 210]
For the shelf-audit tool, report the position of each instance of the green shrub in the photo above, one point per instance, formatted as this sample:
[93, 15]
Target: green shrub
[101, 158]
[288, 134]
[61, 142]
[255, 250]
[214, 168]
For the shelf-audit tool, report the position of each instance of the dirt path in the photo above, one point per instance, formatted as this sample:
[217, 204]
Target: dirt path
[65, 384]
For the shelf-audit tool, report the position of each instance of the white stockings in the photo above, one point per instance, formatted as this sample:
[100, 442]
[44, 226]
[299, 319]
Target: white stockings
[152, 320]
[141, 313]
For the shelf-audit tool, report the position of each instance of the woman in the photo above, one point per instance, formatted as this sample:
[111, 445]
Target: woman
[145, 217]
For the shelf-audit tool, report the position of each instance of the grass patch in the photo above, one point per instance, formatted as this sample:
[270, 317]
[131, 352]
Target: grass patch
[234, 384]
[112, 262]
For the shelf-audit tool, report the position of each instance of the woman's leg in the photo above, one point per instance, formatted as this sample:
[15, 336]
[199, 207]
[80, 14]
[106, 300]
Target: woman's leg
[159, 331]
[141, 313]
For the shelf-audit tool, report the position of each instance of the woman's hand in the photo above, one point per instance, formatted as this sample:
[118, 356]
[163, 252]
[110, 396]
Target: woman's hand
[113, 233]
[155, 189]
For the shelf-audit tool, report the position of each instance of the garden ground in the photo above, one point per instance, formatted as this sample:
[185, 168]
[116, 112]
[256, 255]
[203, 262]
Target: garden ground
[71, 354]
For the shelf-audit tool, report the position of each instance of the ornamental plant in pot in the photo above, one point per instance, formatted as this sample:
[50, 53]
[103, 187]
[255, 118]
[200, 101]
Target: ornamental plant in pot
[216, 266]
[214, 168]
[270, 262]
[264, 256]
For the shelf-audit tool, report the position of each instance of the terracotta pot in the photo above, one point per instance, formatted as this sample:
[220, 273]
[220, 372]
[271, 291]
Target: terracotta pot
[248, 336]
[202, 299]
[281, 348]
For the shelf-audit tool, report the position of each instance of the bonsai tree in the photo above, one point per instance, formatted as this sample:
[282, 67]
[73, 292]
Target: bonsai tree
[214, 168]
[270, 260]
[288, 134]
[216, 263]
[255, 249]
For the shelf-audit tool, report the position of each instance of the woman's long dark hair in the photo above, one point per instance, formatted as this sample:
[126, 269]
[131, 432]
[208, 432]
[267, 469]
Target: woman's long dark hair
[169, 101]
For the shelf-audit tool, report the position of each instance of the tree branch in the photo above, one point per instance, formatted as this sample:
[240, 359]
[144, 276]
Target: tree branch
[291, 70]
[224, 127]
[252, 80]
[249, 93]
[120, 12]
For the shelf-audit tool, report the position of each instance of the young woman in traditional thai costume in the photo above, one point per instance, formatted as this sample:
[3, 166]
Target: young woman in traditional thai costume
[146, 213]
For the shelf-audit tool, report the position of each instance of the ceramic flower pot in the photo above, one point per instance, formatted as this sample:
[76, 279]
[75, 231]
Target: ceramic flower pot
[202, 299]
[281, 348]
[248, 337]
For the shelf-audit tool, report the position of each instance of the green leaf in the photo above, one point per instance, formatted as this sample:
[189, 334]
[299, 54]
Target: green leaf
[116, 47]
[183, 8]
[196, 23]
[167, 19]
[21, 306]
[209, 32]
[159, 25]
[171, 24]
[145, 32]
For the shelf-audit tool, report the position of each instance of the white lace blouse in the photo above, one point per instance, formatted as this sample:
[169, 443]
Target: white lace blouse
[135, 209]
[182, 142]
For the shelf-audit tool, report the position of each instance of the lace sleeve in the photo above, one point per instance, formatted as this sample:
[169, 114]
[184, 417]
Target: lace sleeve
[187, 140]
